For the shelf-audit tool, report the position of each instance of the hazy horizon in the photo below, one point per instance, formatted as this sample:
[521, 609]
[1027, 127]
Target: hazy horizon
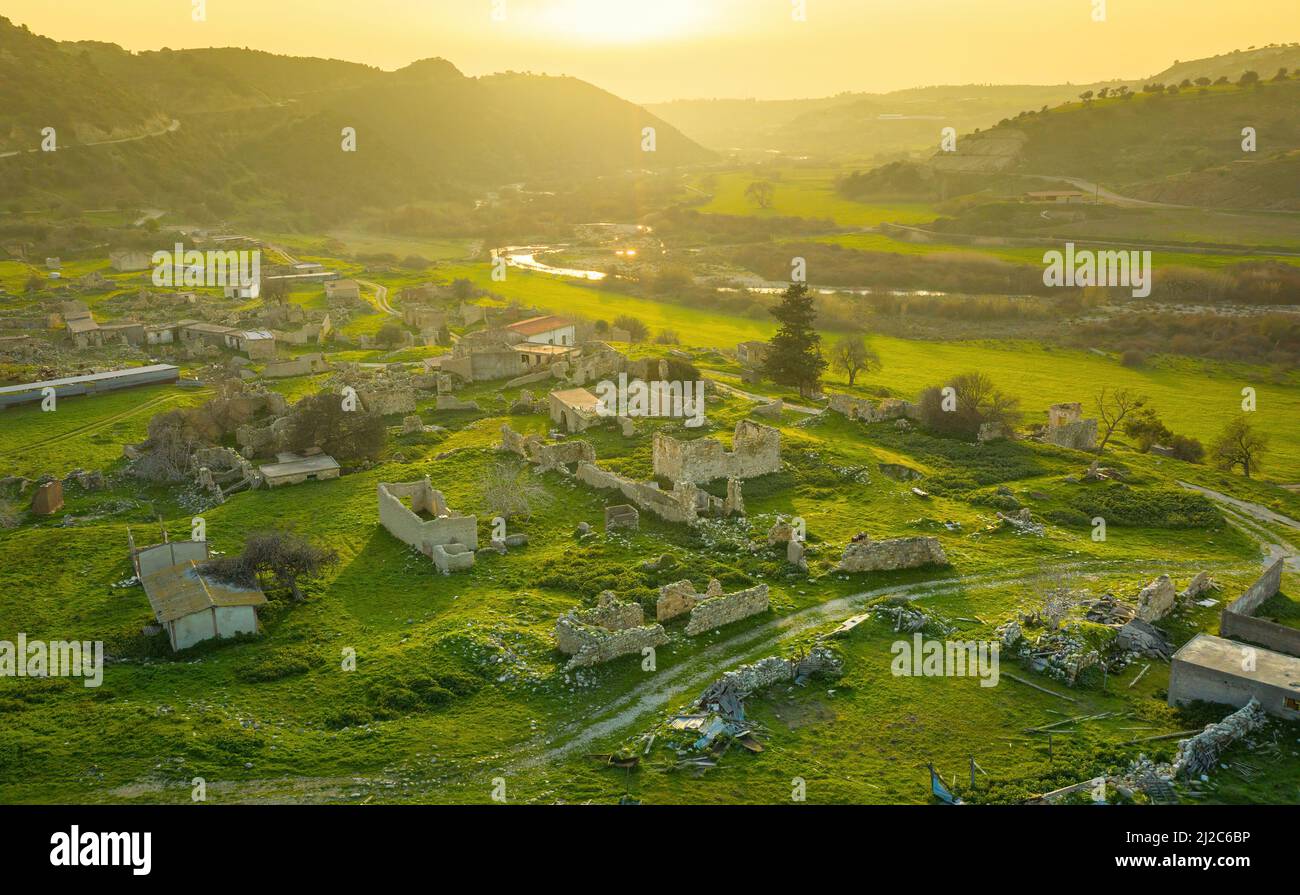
[710, 46]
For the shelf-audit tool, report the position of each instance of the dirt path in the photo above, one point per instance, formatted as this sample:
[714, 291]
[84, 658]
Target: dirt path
[669, 688]
[381, 297]
[1250, 518]
[170, 129]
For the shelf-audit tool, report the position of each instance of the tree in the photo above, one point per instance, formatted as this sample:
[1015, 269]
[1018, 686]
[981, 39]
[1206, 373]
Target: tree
[851, 356]
[1146, 428]
[1086, 96]
[1248, 78]
[972, 403]
[285, 556]
[510, 489]
[637, 331]
[794, 355]
[760, 193]
[275, 292]
[1239, 445]
[1113, 407]
[463, 289]
[390, 334]
[320, 421]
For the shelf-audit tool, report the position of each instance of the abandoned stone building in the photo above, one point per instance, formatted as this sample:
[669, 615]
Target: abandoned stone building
[1067, 428]
[722, 609]
[613, 628]
[576, 409]
[1239, 618]
[711, 609]
[756, 451]
[865, 555]
[189, 604]
[418, 515]
[1261, 662]
[294, 469]
[1214, 669]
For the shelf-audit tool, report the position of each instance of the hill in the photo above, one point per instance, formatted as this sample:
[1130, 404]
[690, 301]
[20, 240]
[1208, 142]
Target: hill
[254, 125]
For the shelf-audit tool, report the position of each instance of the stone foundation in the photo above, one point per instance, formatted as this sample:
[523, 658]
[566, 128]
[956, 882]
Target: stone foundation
[612, 629]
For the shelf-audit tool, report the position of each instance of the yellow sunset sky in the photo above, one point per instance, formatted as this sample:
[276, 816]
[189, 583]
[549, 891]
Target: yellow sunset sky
[652, 50]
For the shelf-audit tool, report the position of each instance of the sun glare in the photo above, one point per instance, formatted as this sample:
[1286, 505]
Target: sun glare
[623, 21]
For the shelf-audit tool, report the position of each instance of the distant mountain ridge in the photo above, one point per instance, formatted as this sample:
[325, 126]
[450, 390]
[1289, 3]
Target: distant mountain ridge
[906, 121]
[274, 124]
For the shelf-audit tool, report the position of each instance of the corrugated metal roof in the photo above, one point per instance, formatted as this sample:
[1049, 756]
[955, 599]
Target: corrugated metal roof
[180, 590]
[91, 377]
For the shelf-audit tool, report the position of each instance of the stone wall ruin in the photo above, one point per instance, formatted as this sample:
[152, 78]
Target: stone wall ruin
[613, 628]
[866, 555]
[756, 451]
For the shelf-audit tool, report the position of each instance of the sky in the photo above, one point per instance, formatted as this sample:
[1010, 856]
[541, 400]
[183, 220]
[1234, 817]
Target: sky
[656, 50]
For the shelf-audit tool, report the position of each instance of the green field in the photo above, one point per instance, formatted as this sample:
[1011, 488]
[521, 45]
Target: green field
[278, 718]
[806, 193]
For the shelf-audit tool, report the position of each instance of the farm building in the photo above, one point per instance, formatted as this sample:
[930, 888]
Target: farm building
[348, 290]
[294, 469]
[576, 408]
[1212, 669]
[189, 604]
[547, 330]
[89, 384]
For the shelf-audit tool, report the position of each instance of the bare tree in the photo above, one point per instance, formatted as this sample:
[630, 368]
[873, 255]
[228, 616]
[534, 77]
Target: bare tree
[760, 193]
[851, 356]
[1113, 407]
[287, 557]
[509, 489]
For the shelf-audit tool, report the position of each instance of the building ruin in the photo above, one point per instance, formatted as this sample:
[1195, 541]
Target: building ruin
[418, 515]
[756, 451]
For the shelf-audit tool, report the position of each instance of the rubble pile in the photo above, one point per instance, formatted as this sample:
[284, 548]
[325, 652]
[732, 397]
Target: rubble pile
[1200, 754]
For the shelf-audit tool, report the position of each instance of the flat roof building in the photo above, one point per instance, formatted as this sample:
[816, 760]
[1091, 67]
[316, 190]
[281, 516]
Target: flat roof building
[89, 384]
[1212, 669]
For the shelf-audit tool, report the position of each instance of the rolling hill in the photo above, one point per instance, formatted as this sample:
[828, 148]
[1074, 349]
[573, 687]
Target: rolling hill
[255, 125]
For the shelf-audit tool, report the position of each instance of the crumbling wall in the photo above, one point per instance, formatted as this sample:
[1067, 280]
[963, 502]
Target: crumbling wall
[1066, 428]
[715, 612]
[1200, 754]
[681, 504]
[613, 628]
[405, 523]
[1156, 600]
[756, 450]
[866, 555]
[1238, 621]
[680, 597]
[726, 694]
[546, 456]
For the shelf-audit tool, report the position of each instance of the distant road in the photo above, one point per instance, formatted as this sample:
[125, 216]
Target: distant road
[169, 129]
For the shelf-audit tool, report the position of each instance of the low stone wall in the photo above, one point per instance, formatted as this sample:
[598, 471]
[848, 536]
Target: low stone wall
[546, 456]
[613, 628]
[728, 692]
[1238, 621]
[680, 597]
[899, 553]
[678, 505]
[727, 608]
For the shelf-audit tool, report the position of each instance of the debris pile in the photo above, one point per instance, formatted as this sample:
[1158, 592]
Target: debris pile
[1200, 754]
